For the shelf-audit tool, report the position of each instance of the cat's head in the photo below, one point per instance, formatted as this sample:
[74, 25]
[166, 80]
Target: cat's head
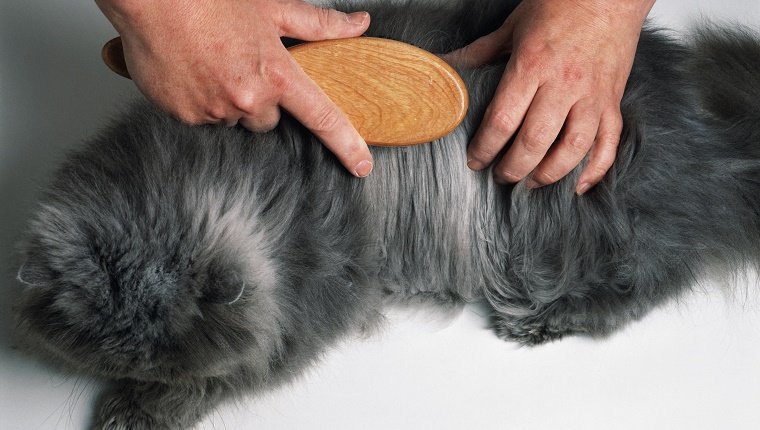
[124, 281]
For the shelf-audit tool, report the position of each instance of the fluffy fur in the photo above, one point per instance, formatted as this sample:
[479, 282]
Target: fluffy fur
[190, 264]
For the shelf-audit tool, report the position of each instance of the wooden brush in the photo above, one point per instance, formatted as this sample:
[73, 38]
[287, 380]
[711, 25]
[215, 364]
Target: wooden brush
[395, 94]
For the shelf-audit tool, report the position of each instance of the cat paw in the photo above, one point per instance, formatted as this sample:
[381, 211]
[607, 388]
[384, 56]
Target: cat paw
[117, 413]
[529, 333]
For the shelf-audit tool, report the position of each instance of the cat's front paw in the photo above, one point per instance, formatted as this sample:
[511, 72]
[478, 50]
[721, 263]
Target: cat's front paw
[530, 335]
[120, 413]
[527, 333]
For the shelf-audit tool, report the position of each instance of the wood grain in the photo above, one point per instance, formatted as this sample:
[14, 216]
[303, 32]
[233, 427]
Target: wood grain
[395, 94]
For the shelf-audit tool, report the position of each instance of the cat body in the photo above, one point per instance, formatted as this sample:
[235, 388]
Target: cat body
[192, 264]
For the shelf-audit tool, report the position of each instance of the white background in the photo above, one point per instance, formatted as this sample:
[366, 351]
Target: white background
[692, 365]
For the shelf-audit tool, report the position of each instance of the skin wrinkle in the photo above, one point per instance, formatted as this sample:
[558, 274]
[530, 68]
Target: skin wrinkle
[187, 56]
[567, 67]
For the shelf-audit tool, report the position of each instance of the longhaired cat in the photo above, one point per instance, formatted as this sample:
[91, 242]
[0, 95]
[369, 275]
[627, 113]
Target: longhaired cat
[193, 264]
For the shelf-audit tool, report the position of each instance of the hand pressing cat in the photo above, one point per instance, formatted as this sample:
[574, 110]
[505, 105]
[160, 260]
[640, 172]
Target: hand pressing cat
[222, 62]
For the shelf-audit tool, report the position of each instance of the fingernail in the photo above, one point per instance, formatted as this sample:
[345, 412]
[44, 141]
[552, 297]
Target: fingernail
[357, 18]
[532, 184]
[582, 188]
[363, 169]
[474, 164]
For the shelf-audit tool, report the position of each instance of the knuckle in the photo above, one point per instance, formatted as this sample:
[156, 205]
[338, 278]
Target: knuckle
[611, 139]
[532, 146]
[189, 117]
[503, 122]
[534, 141]
[354, 152]
[258, 124]
[268, 126]
[482, 153]
[605, 163]
[274, 117]
[271, 121]
[596, 172]
[264, 120]
[245, 101]
[597, 169]
[537, 133]
[216, 111]
[507, 175]
[259, 127]
[578, 143]
[324, 21]
[545, 177]
[530, 57]
[326, 119]
[616, 121]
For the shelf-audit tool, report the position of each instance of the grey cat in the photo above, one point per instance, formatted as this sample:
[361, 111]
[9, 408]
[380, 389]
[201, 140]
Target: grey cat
[194, 264]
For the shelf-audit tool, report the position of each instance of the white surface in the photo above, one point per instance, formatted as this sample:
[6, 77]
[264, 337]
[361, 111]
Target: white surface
[694, 365]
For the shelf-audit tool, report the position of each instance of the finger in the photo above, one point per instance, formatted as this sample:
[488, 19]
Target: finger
[540, 129]
[603, 152]
[219, 113]
[574, 143]
[309, 105]
[304, 21]
[484, 50]
[262, 122]
[189, 116]
[501, 119]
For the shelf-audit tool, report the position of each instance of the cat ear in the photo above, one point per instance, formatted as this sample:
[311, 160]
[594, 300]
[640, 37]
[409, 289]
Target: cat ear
[224, 287]
[225, 295]
[32, 275]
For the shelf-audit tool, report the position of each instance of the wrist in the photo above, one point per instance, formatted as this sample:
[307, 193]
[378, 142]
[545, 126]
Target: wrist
[624, 15]
[631, 9]
[127, 15]
[641, 8]
[635, 9]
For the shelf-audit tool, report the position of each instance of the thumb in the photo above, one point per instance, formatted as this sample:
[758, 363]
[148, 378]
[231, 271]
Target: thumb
[483, 50]
[301, 20]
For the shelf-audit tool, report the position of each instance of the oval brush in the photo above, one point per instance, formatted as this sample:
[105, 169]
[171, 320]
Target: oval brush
[395, 94]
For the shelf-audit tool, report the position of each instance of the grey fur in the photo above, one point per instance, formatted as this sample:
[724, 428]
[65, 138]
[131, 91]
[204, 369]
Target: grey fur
[191, 264]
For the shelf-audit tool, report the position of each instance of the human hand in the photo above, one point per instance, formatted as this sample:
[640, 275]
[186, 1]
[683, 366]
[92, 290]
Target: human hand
[561, 88]
[222, 62]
